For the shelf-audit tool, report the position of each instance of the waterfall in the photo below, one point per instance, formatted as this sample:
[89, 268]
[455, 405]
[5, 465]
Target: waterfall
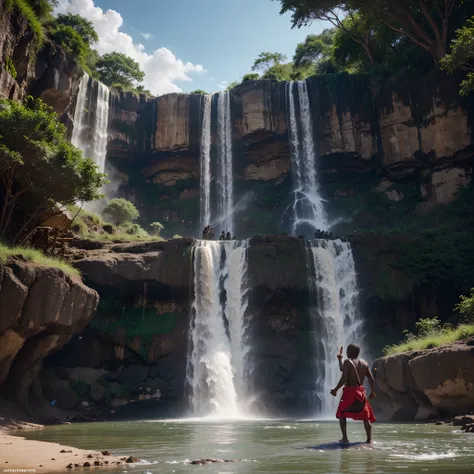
[335, 319]
[225, 186]
[91, 119]
[217, 365]
[205, 159]
[308, 205]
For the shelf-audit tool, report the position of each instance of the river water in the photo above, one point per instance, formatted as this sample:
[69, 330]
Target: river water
[266, 446]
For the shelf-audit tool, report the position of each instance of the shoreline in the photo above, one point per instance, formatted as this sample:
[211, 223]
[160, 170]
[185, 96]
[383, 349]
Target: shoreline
[18, 454]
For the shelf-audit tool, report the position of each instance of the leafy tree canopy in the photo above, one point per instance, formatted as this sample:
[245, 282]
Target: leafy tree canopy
[199, 91]
[265, 61]
[69, 39]
[118, 68]
[250, 77]
[121, 211]
[84, 27]
[37, 158]
[466, 307]
[426, 23]
[314, 48]
[462, 56]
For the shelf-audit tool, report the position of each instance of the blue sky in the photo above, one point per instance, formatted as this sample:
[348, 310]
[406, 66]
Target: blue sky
[222, 36]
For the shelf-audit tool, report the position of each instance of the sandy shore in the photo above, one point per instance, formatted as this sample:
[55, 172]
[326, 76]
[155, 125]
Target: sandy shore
[18, 454]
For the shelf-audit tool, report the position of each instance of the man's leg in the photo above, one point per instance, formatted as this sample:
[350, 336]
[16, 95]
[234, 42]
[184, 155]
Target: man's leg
[343, 424]
[368, 430]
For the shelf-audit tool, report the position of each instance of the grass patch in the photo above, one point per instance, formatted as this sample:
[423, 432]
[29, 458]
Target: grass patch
[431, 341]
[36, 257]
[33, 21]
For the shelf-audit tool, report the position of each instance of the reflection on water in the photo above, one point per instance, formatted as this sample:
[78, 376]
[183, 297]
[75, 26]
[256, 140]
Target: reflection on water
[271, 447]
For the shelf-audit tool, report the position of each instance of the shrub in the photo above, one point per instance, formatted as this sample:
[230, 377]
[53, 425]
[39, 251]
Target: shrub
[120, 211]
[177, 236]
[156, 228]
[10, 67]
[466, 307]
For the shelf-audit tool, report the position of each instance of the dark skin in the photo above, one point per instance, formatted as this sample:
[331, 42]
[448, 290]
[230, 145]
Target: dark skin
[349, 378]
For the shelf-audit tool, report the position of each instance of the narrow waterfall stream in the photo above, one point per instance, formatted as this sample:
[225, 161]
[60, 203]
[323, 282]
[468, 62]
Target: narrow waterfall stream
[205, 162]
[217, 368]
[335, 319]
[91, 120]
[308, 205]
[225, 179]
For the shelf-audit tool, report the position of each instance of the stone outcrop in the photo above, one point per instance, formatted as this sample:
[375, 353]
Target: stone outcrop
[423, 384]
[41, 309]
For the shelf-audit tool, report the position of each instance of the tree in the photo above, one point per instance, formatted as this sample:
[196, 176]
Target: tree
[84, 27]
[233, 85]
[425, 22]
[156, 228]
[72, 42]
[265, 61]
[118, 68]
[314, 49]
[250, 77]
[39, 168]
[199, 91]
[121, 211]
[462, 56]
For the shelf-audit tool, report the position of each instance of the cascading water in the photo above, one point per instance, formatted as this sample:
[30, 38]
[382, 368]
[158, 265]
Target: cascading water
[335, 319]
[91, 119]
[225, 185]
[308, 205]
[205, 159]
[217, 364]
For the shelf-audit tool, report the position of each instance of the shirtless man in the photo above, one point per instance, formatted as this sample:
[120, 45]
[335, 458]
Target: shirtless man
[354, 403]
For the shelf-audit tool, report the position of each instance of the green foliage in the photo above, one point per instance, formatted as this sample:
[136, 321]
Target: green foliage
[432, 340]
[37, 158]
[315, 49]
[462, 56]
[156, 228]
[233, 85]
[199, 91]
[120, 211]
[72, 42]
[37, 257]
[10, 67]
[177, 236]
[81, 25]
[33, 11]
[134, 229]
[250, 77]
[118, 68]
[466, 307]
[266, 60]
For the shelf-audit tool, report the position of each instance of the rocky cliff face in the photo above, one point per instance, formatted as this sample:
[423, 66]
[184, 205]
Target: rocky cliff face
[434, 382]
[372, 135]
[49, 73]
[41, 310]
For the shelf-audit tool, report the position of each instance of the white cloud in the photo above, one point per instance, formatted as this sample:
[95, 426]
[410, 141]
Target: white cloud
[162, 68]
[222, 85]
[147, 36]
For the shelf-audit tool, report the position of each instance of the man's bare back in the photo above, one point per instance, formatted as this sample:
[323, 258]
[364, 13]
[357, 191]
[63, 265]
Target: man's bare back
[362, 369]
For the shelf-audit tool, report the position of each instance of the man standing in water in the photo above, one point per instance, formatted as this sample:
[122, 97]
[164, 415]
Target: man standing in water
[354, 403]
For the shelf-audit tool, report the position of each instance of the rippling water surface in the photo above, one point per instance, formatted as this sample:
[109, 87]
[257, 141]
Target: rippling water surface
[271, 446]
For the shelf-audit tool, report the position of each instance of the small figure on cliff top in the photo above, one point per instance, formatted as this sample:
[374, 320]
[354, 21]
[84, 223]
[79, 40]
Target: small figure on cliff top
[211, 233]
[222, 237]
[354, 403]
[205, 233]
[228, 236]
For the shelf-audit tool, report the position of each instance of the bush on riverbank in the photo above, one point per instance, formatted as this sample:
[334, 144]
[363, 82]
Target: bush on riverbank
[37, 257]
[445, 336]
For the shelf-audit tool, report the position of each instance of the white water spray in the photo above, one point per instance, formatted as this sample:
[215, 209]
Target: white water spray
[335, 319]
[217, 364]
[225, 186]
[91, 120]
[205, 160]
[308, 205]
